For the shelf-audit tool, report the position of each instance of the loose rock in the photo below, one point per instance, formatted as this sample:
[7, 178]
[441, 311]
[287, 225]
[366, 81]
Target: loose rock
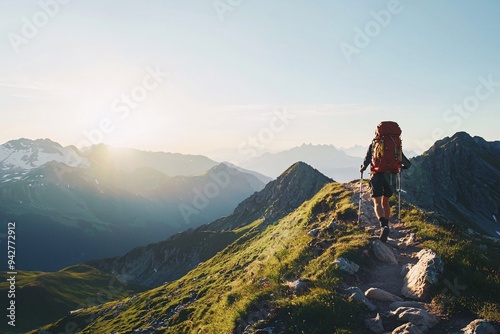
[375, 324]
[382, 295]
[418, 317]
[313, 233]
[394, 306]
[407, 328]
[356, 294]
[405, 269]
[298, 286]
[479, 326]
[423, 275]
[346, 265]
[333, 226]
[383, 253]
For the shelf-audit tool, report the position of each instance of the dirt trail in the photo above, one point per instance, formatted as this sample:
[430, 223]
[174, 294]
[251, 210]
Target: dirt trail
[387, 276]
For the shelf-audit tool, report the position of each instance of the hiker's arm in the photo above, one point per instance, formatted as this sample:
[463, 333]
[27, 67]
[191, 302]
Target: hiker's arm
[368, 159]
[405, 163]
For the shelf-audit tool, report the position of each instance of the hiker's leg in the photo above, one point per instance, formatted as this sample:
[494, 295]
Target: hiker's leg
[386, 206]
[380, 210]
[377, 184]
[388, 186]
[378, 207]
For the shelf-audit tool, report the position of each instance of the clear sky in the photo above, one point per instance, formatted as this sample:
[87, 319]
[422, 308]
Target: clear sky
[194, 76]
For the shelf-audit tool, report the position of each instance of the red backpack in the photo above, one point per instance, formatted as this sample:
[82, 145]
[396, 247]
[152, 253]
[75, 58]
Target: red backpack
[387, 149]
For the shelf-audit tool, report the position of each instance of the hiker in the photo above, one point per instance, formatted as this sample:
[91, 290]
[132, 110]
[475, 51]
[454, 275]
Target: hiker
[386, 159]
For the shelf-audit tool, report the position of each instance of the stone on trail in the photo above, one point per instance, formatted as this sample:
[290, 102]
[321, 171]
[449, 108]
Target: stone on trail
[418, 317]
[479, 326]
[405, 269]
[407, 328]
[394, 306]
[383, 253]
[423, 275]
[375, 324]
[382, 295]
[356, 294]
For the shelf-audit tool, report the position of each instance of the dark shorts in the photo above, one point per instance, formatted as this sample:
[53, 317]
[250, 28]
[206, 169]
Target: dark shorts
[383, 184]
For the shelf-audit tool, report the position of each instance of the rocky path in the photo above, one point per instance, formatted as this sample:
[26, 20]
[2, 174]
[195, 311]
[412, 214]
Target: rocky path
[395, 287]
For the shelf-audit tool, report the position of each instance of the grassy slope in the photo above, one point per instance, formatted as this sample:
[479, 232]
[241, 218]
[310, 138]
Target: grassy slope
[249, 276]
[43, 297]
[248, 280]
[472, 265]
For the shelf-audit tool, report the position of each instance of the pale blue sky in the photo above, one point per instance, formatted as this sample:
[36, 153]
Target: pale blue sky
[230, 72]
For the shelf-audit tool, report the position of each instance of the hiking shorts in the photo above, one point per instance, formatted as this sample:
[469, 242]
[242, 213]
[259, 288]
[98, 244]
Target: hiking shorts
[383, 184]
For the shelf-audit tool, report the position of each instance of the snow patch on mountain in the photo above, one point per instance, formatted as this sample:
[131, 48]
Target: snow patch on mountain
[25, 154]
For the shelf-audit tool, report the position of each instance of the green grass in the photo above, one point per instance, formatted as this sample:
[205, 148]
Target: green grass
[43, 297]
[250, 278]
[476, 271]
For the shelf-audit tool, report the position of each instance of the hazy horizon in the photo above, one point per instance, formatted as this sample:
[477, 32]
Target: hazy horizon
[194, 77]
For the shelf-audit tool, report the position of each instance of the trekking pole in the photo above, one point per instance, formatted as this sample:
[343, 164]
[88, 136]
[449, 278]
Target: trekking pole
[360, 193]
[399, 196]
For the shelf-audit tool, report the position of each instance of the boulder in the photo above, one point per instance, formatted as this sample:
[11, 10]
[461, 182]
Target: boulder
[358, 295]
[409, 240]
[417, 316]
[396, 305]
[407, 328]
[382, 295]
[479, 326]
[401, 246]
[333, 226]
[346, 265]
[383, 253]
[375, 324]
[423, 275]
[313, 233]
[405, 269]
[298, 287]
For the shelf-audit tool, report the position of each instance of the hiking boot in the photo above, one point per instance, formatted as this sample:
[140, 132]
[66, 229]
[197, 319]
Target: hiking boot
[384, 234]
[383, 222]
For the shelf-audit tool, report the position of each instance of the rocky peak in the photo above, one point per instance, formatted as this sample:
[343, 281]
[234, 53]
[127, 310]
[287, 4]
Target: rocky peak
[458, 176]
[297, 184]
[45, 145]
[25, 154]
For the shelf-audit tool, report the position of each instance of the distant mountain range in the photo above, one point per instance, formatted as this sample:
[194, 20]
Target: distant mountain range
[329, 160]
[168, 260]
[249, 265]
[340, 164]
[73, 206]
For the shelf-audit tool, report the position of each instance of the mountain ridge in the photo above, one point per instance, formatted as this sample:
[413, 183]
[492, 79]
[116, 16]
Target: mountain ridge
[282, 272]
[154, 264]
[104, 201]
[459, 176]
